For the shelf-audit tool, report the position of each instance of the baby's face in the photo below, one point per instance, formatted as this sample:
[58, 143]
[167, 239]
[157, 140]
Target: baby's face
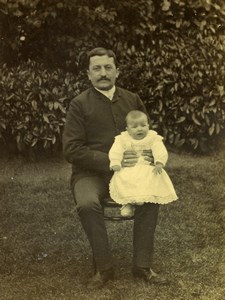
[138, 128]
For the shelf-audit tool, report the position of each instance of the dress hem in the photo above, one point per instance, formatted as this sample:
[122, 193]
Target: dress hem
[146, 199]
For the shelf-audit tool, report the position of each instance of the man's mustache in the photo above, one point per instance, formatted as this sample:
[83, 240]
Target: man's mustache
[104, 78]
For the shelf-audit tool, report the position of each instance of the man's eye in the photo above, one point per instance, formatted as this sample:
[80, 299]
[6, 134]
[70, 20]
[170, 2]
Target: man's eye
[108, 68]
[96, 69]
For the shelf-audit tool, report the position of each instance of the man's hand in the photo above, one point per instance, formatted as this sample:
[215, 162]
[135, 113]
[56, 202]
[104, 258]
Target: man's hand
[130, 158]
[148, 156]
[158, 168]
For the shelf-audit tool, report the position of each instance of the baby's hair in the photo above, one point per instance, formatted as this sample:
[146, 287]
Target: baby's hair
[135, 114]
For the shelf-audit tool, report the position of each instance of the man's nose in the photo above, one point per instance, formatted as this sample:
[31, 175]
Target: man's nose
[103, 72]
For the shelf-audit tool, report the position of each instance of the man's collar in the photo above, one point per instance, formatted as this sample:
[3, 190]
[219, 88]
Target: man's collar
[109, 94]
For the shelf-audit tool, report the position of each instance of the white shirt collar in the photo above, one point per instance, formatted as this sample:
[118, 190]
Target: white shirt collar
[109, 94]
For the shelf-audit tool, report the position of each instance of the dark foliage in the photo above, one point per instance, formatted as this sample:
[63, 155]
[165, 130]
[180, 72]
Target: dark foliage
[171, 53]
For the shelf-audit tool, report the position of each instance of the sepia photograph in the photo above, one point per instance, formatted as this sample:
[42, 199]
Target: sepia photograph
[112, 150]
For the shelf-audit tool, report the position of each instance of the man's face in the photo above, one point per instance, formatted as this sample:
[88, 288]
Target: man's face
[138, 128]
[102, 72]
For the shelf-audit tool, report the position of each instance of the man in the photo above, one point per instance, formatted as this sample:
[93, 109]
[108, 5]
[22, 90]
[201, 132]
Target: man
[94, 118]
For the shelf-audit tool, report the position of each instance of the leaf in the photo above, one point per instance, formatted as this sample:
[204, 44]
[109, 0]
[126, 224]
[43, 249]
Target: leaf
[194, 142]
[56, 105]
[20, 126]
[217, 128]
[55, 91]
[166, 5]
[50, 105]
[221, 90]
[2, 125]
[194, 99]
[39, 80]
[29, 95]
[133, 48]
[171, 138]
[34, 142]
[212, 102]
[180, 143]
[59, 5]
[196, 121]
[207, 120]
[18, 13]
[45, 117]
[10, 97]
[62, 99]
[167, 71]
[62, 108]
[34, 104]
[53, 139]
[178, 23]
[160, 105]
[181, 119]
[46, 144]
[18, 139]
[211, 129]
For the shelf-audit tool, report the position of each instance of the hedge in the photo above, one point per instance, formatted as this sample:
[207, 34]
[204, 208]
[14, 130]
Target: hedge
[171, 52]
[182, 86]
[34, 102]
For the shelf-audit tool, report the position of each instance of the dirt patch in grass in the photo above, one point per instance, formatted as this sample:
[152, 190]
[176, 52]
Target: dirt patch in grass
[44, 253]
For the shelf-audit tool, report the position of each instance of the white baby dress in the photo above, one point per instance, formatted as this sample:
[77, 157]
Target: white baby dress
[139, 183]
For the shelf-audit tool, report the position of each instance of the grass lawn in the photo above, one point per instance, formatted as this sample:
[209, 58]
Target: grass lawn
[44, 253]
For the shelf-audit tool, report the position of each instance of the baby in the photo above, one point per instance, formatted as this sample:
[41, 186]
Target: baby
[143, 182]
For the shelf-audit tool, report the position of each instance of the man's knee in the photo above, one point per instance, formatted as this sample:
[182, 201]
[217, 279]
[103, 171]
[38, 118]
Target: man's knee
[88, 193]
[88, 203]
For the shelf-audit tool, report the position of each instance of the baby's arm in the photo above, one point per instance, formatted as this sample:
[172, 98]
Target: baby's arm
[160, 155]
[116, 155]
[115, 168]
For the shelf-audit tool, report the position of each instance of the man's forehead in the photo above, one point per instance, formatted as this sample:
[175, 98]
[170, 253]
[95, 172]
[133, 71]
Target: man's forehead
[101, 60]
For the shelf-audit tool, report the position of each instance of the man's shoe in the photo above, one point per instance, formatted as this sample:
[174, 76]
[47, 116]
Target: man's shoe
[149, 276]
[100, 279]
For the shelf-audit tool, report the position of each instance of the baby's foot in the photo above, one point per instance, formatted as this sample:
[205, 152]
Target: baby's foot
[127, 210]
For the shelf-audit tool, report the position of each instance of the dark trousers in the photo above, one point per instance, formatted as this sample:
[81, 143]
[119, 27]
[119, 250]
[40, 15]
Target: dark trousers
[89, 192]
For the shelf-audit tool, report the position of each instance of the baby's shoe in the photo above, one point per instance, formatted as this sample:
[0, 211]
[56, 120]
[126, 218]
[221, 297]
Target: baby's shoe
[127, 210]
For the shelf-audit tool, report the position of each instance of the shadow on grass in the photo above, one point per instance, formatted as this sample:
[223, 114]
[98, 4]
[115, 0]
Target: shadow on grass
[45, 255]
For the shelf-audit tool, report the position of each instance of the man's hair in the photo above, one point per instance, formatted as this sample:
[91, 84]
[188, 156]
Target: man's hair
[135, 114]
[100, 52]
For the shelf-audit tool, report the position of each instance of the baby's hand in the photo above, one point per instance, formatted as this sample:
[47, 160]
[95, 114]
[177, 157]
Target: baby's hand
[158, 168]
[116, 168]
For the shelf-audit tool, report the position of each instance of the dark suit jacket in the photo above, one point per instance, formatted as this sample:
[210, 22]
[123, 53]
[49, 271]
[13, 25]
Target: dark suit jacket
[92, 123]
